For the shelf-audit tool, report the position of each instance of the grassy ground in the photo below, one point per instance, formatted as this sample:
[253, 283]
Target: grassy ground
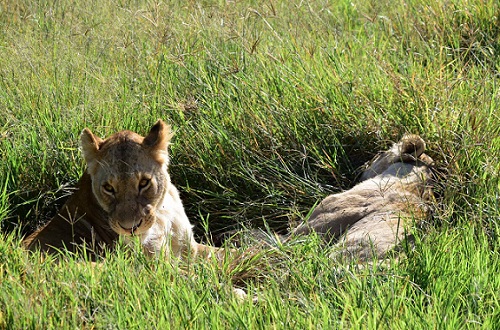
[275, 104]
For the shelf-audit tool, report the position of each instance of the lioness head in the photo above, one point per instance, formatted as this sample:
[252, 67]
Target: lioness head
[403, 157]
[129, 175]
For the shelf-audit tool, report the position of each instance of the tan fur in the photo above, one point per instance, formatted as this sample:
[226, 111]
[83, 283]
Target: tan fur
[372, 217]
[127, 191]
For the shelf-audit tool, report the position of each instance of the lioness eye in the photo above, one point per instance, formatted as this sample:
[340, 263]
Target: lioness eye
[144, 183]
[108, 188]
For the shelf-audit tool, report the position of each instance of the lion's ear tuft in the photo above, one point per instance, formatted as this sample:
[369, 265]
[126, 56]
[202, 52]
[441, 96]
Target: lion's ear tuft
[158, 141]
[90, 148]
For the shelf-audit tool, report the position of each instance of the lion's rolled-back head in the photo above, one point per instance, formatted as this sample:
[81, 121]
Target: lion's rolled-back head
[403, 157]
[129, 175]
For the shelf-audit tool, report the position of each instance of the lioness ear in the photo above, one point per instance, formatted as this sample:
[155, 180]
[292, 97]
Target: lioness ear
[90, 148]
[158, 140]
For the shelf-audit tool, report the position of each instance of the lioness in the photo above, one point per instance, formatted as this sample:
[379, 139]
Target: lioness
[126, 190]
[372, 217]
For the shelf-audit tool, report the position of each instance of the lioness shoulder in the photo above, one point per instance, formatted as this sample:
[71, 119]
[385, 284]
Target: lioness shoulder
[126, 190]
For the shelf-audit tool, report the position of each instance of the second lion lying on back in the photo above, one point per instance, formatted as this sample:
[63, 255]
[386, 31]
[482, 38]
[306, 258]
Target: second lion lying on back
[372, 217]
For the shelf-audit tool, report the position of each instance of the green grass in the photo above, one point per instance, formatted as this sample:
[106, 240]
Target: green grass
[275, 104]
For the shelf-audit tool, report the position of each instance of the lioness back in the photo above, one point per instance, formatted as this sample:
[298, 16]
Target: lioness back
[126, 190]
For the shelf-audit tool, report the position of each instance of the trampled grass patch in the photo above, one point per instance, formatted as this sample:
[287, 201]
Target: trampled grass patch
[275, 104]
